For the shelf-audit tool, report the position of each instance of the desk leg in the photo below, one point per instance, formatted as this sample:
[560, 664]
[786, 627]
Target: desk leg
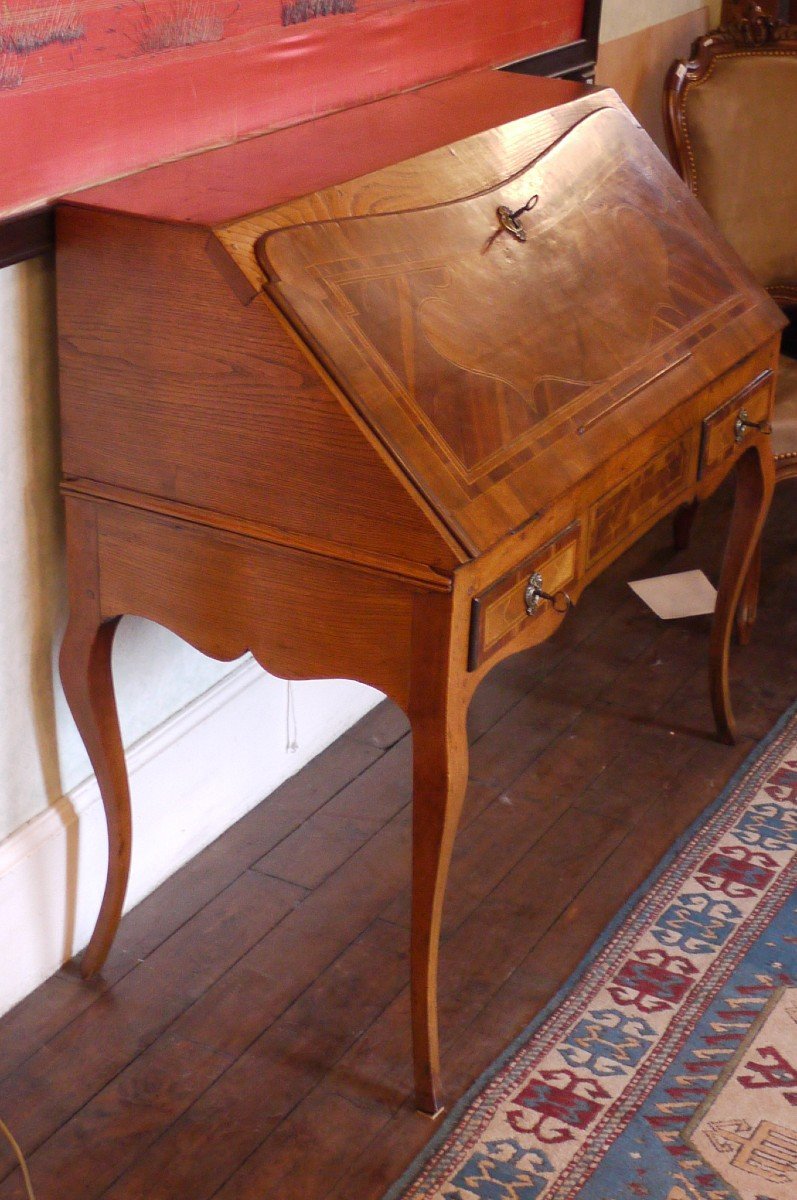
[682, 525]
[85, 664]
[755, 481]
[440, 771]
[748, 605]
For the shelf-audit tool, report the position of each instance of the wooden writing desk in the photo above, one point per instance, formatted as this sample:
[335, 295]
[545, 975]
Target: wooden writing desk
[382, 430]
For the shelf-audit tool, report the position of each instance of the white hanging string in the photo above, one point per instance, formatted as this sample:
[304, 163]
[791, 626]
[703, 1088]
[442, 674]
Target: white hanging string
[291, 725]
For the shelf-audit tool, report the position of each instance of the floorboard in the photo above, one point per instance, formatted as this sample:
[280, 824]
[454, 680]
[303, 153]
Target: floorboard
[249, 1037]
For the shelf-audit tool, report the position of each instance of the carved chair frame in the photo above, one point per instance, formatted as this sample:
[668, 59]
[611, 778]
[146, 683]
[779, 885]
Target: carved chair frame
[756, 34]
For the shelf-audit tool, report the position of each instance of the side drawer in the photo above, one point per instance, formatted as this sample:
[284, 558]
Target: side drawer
[724, 435]
[500, 612]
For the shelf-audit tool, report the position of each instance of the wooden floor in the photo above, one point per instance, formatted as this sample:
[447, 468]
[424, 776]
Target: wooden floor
[249, 1039]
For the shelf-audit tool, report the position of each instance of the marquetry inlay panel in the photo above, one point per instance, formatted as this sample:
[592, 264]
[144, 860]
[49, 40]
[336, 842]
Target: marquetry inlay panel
[720, 440]
[500, 612]
[465, 346]
[637, 500]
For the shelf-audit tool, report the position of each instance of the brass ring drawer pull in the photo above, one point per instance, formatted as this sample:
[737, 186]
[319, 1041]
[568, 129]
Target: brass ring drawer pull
[743, 423]
[534, 595]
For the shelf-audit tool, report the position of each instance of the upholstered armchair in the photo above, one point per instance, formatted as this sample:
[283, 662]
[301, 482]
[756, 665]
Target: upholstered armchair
[731, 122]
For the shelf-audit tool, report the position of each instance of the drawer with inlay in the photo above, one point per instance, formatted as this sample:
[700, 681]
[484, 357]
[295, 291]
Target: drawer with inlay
[728, 428]
[640, 499]
[537, 585]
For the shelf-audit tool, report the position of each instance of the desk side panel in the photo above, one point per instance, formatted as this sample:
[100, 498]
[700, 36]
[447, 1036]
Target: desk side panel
[173, 389]
[302, 616]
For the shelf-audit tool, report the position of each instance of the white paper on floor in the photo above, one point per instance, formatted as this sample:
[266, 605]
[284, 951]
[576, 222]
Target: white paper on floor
[686, 594]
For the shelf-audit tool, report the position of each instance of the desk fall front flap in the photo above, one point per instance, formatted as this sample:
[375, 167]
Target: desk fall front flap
[499, 366]
[432, 382]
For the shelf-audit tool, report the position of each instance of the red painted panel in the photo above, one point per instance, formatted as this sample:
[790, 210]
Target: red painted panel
[223, 184]
[90, 90]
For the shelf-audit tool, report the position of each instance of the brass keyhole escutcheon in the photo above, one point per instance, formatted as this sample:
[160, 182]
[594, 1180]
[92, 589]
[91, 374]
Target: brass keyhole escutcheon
[511, 220]
[510, 223]
[534, 596]
[743, 423]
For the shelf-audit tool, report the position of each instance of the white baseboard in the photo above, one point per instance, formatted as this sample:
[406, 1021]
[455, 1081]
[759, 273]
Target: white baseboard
[190, 779]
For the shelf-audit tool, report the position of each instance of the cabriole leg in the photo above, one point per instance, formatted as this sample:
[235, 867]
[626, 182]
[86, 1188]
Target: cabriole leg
[682, 523]
[748, 605]
[755, 479]
[85, 664]
[440, 771]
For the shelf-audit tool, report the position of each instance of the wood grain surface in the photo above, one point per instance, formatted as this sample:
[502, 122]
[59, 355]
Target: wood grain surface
[283, 945]
[502, 372]
[327, 465]
[172, 388]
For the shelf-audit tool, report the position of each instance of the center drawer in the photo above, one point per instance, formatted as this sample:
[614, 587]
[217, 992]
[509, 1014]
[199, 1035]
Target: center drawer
[623, 514]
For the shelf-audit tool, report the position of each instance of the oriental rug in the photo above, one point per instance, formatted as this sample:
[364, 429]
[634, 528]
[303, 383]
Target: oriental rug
[668, 1068]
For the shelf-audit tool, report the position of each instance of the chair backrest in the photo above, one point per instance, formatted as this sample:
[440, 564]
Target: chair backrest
[731, 121]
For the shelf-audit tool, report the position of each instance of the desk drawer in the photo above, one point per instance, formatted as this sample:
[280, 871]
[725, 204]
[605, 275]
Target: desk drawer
[727, 429]
[500, 612]
[635, 504]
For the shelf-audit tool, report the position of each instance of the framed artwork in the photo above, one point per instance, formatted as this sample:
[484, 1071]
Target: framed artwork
[573, 60]
[91, 89]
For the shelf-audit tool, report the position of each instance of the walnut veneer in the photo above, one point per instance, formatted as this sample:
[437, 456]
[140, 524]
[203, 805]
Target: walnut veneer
[345, 432]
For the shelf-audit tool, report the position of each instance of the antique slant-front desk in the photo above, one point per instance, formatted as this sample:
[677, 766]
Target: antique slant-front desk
[389, 429]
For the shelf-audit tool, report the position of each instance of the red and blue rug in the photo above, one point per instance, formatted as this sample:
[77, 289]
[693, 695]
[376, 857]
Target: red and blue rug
[668, 1068]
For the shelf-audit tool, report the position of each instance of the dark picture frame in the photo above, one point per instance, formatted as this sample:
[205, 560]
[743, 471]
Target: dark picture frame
[32, 234]
[576, 60]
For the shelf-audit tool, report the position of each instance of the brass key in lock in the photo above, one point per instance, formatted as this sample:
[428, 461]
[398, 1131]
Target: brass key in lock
[511, 220]
[534, 595]
[743, 423]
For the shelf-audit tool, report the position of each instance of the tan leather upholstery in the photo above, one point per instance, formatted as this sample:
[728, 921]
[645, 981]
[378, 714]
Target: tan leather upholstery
[731, 124]
[742, 126]
[784, 431]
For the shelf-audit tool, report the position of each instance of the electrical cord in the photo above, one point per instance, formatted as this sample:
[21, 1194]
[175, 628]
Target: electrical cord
[23, 1166]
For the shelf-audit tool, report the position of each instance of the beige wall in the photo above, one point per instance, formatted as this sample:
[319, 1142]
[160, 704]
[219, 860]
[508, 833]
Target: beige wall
[41, 755]
[29, 539]
[211, 737]
[620, 19]
[638, 43]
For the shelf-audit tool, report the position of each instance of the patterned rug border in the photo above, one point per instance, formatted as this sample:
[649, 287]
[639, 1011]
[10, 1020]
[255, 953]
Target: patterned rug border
[753, 760]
